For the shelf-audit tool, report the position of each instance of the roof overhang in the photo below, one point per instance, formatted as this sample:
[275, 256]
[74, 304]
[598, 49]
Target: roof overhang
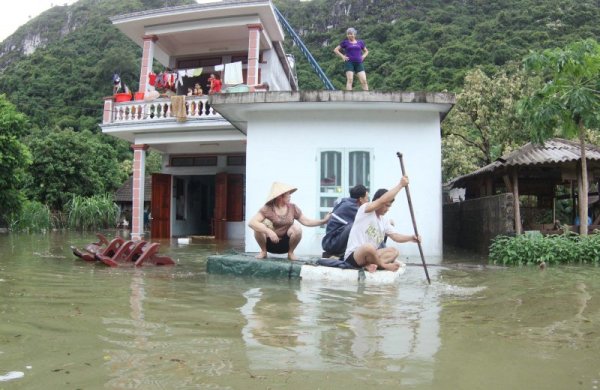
[209, 28]
[236, 107]
[177, 137]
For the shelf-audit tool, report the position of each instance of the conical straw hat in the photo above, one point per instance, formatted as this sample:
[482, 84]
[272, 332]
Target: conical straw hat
[278, 189]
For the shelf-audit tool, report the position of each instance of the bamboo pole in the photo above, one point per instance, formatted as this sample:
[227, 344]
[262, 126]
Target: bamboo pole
[414, 222]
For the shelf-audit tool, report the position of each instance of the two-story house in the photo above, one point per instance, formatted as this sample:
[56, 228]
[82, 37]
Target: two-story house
[204, 154]
[221, 153]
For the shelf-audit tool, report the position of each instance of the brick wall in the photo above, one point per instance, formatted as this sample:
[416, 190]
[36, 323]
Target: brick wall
[473, 223]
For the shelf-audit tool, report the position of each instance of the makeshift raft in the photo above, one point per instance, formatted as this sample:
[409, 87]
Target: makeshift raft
[242, 264]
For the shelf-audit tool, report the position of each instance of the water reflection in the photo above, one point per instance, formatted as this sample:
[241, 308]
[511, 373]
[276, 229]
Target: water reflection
[127, 365]
[340, 328]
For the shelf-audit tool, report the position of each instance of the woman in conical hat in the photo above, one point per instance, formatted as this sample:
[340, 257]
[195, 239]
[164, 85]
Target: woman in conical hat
[273, 225]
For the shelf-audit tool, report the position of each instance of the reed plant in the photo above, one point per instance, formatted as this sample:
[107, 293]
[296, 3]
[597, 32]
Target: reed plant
[34, 217]
[98, 211]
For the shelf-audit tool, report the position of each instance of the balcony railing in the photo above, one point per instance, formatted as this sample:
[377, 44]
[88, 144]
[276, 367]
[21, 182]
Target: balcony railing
[196, 107]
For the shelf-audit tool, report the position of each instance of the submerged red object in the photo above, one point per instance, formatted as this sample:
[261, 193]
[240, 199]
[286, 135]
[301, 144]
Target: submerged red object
[119, 252]
[101, 246]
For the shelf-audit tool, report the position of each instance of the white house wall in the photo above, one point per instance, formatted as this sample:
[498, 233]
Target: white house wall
[273, 72]
[284, 146]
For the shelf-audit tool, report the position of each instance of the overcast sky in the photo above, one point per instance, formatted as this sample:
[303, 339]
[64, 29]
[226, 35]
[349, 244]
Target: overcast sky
[23, 10]
[19, 12]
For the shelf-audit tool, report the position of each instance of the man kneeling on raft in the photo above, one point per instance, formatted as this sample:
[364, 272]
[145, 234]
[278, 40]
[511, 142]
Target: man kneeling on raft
[369, 229]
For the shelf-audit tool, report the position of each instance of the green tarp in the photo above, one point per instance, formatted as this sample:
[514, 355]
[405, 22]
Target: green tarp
[247, 265]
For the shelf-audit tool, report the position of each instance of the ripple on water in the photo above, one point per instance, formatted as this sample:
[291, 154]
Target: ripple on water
[458, 291]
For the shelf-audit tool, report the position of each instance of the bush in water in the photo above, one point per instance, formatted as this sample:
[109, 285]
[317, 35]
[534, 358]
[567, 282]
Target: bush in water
[567, 248]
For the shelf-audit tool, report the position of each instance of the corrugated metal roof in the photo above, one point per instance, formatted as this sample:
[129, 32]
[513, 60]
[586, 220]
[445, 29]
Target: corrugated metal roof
[553, 151]
[125, 192]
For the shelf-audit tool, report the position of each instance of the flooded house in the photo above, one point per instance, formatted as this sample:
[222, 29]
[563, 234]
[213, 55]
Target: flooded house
[222, 151]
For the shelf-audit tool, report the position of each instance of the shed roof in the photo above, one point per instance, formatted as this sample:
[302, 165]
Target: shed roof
[125, 192]
[556, 151]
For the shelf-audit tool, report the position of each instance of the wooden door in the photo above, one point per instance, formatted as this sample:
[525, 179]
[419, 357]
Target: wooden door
[220, 214]
[161, 206]
[235, 197]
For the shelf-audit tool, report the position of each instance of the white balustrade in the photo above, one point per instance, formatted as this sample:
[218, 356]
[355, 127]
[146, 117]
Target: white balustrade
[196, 107]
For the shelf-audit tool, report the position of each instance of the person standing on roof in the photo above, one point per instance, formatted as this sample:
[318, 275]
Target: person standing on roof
[342, 217]
[353, 52]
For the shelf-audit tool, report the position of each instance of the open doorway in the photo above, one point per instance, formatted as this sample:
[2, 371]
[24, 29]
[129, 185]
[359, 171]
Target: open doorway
[193, 205]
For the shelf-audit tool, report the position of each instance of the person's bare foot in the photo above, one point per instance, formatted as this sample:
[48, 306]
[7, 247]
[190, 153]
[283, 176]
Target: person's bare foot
[371, 267]
[261, 255]
[292, 256]
[391, 266]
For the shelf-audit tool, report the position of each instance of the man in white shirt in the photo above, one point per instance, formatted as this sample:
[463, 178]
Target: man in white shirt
[369, 230]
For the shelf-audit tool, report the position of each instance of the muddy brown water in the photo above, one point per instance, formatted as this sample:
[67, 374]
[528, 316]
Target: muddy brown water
[67, 324]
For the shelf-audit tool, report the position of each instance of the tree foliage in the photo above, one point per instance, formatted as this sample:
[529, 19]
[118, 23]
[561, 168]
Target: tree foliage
[568, 102]
[14, 159]
[68, 163]
[484, 119]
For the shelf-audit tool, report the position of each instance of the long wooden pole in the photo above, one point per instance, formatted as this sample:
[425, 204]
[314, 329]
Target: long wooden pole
[414, 222]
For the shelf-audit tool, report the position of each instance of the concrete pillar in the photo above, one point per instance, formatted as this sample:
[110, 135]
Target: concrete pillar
[137, 201]
[147, 58]
[253, 53]
[107, 114]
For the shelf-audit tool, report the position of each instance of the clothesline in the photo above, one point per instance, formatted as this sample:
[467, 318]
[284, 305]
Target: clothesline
[170, 78]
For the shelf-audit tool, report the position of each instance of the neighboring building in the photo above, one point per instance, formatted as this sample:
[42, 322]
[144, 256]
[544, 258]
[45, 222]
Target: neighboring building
[323, 142]
[521, 191]
[124, 195]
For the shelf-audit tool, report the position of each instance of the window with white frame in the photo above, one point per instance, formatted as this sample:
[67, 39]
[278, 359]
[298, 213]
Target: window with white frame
[340, 170]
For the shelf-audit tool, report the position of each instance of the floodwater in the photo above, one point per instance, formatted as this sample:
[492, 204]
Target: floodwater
[67, 324]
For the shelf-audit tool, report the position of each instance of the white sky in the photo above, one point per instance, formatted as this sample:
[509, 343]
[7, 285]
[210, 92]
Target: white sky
[21, 11]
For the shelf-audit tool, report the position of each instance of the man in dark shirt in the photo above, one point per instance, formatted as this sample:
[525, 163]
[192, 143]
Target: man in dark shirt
[342, 217]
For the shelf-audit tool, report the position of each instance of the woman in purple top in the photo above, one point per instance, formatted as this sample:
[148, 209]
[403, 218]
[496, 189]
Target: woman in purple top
[353, 52]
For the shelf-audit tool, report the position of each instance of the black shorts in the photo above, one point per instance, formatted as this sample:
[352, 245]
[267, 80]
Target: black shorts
[350, 260]
[283, 246]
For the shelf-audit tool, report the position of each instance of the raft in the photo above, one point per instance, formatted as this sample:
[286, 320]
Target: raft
[305, 270]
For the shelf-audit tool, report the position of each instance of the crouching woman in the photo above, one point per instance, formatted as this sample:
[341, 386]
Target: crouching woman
[274, 227]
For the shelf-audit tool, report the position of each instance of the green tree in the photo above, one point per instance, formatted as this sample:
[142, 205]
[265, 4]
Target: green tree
[568, 102]
[67, 163]
[14, 159]
[485, 119]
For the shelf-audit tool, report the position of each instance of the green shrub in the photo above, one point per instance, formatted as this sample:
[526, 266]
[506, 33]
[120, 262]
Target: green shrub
[33, 217]
[98, 211]
[567, 248]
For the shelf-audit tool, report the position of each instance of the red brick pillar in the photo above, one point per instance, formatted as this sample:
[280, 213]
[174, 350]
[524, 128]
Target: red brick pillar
[137, 201]
[253, 53]
[147, 58]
